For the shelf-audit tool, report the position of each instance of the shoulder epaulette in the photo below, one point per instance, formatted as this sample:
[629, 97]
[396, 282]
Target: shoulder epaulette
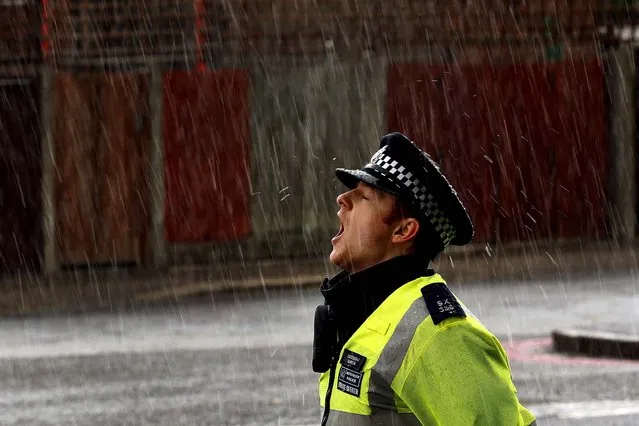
[441, 302]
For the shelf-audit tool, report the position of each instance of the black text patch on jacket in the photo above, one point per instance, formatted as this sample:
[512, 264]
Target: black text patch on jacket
[349, 381]
[350, 375]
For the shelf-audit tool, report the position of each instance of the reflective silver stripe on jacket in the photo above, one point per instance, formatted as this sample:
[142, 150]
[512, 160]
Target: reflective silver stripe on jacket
[381, 397]
[380, 418]
[380, 394]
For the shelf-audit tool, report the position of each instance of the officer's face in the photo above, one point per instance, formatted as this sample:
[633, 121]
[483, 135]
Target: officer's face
[364, 239]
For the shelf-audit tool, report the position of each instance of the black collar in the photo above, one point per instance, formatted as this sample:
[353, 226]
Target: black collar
[353, 297]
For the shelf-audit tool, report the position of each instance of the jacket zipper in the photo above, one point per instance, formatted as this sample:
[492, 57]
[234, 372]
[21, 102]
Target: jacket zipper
[329, 391]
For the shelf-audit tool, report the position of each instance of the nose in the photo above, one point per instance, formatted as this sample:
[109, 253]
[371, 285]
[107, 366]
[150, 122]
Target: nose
[343, 200]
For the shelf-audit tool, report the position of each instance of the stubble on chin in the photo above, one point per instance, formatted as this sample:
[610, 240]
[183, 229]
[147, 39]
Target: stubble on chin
[342, 259]
[339, 258]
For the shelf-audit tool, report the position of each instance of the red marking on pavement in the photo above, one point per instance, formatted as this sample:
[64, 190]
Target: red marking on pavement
[538, 351]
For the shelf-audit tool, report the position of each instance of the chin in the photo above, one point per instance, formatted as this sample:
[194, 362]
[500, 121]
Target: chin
[343, 263]
[337, 260]
[334, 258]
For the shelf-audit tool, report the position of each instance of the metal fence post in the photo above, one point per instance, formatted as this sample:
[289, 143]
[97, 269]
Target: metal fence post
[156, 173]
[621, 81]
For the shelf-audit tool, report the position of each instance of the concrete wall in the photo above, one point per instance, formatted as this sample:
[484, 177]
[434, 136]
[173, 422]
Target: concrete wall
[307, 121]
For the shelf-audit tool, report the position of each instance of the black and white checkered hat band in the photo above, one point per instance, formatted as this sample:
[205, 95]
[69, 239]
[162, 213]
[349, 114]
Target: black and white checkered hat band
[404, 180]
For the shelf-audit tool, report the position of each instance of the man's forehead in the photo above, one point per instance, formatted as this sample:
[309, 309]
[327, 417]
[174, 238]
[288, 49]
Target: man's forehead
[363, 186]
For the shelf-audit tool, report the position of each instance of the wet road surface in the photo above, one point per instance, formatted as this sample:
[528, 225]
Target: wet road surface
[244, 359]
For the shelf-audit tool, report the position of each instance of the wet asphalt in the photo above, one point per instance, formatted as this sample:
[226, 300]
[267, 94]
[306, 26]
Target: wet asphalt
[244, 358]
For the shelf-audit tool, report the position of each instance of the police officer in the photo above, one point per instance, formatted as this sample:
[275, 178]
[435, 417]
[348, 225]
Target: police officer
[393, 345]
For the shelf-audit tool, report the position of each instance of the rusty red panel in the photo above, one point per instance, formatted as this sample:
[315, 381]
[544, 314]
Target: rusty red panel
[445, 111]
[506, 153]
[469, 156]
[100, 136]
[415, 104]
[554, 151]
[20, 173]
[582, 164]
[524, 144]
[527, 105]
[206, 132]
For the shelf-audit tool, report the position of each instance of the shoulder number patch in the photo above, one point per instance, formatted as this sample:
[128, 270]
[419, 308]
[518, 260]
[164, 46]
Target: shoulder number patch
[441, 303]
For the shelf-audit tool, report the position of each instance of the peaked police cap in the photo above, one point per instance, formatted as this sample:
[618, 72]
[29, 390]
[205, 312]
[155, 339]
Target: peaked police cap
[400, 168]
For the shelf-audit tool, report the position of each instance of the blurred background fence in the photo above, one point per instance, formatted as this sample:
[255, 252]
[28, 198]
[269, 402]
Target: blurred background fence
[198, 131]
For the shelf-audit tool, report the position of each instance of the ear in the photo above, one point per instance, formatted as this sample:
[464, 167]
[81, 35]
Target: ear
[405, 231]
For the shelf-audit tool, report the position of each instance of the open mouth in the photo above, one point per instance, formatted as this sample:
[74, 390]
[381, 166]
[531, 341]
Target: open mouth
[340, 232]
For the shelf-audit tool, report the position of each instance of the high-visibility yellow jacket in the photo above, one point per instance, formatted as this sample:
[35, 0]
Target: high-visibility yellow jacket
[421, 358]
